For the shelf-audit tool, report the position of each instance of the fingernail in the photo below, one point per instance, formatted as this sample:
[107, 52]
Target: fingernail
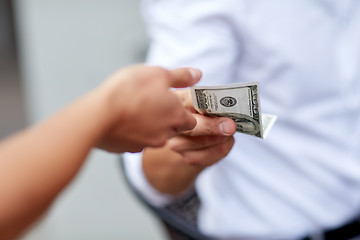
[225, 128]
[195, 73]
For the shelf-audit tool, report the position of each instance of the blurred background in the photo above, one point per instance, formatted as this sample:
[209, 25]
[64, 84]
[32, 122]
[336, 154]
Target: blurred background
[51, 52]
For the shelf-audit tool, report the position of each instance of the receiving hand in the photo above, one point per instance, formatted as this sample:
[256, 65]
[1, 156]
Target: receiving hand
[174, 168]
[207, 143]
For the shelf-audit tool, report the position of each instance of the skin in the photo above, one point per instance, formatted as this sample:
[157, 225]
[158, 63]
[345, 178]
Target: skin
[148, 112]
[37, 163]
[173, 168]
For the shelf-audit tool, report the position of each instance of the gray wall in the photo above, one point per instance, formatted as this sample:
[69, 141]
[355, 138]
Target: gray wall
[68, 47]
[5, 28]
[12, 117]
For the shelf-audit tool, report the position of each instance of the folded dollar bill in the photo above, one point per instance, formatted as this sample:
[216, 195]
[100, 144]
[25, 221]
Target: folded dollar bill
[239, 102]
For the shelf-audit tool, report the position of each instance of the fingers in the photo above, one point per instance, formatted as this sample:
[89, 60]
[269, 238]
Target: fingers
[187, 143]
[205, 125]
[208, 156]
[184, 77]
[188, 122]
[184, 96]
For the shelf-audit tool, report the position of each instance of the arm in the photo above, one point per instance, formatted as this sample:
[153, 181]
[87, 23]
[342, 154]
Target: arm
[173, 168]
[198, 34]
[37, 163]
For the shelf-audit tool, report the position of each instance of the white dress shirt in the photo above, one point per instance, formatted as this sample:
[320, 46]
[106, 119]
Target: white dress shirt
[306, 57]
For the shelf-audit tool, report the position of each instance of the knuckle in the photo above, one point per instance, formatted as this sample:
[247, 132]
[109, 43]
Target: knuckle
[160, 72]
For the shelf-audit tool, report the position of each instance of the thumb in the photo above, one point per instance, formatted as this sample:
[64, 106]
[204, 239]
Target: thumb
[184, 77]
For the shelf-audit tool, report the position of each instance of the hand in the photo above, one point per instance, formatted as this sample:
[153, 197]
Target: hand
[173, 168]
[143, 111]
[207, 143]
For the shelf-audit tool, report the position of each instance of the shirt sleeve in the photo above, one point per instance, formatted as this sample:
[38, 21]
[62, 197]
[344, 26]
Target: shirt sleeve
[186, 33]
[134, 173]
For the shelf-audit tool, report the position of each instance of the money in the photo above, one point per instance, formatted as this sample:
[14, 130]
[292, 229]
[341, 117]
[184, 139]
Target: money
[239, 102]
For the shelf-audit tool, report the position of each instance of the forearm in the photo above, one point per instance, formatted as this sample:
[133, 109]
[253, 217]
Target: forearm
[36, 164]
[167, 171]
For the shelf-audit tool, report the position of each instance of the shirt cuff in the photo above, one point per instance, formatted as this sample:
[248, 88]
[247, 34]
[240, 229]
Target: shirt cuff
[135, 174]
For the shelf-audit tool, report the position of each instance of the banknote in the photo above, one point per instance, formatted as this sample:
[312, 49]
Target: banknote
[239, 102]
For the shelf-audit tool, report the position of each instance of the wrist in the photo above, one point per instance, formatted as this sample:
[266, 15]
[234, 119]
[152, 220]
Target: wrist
[167, 171]
[103, 112]
[111, 109]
